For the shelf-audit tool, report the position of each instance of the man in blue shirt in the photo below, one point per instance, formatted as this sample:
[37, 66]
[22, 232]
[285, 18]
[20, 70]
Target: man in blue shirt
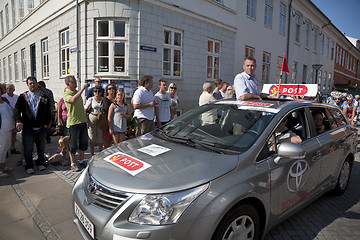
[246, 83]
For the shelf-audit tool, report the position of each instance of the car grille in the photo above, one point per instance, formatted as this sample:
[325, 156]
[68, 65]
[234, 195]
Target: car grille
[102, 196]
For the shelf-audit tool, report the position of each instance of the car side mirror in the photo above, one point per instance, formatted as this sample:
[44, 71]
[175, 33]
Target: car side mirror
[289, 150]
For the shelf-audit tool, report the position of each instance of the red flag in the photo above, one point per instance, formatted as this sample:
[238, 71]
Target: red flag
[284, 67]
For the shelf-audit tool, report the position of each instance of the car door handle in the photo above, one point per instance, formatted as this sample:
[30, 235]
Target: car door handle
[316, 156]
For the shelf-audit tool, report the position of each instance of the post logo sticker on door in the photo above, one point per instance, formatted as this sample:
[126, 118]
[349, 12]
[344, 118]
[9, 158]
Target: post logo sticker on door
[127, 163]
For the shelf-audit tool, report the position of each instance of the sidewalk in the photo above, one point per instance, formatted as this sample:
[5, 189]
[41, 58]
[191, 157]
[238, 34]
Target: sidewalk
[37, 206]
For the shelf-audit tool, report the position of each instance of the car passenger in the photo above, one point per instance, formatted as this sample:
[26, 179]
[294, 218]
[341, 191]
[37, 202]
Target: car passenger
[318, 120]
[283, 134]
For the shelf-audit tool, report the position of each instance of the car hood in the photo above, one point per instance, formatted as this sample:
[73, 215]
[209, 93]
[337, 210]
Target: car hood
[180, 167]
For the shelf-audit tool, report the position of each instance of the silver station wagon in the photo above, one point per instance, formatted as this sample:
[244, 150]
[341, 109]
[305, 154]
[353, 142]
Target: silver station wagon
[226, 170]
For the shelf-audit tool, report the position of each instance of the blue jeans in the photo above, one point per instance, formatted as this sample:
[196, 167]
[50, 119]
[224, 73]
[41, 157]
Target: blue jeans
[78, 138]
[29, 137]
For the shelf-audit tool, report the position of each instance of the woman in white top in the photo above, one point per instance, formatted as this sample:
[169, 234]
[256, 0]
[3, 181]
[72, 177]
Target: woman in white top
[92, 107]
[174, 100]
[118, 113]
[6, 125]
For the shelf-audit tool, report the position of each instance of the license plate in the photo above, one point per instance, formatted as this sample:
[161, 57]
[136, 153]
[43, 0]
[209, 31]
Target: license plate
[84, 220]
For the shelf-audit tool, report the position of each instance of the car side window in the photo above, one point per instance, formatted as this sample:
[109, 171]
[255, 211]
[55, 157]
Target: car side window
[338, 117]
[321, 120]
[293, 127]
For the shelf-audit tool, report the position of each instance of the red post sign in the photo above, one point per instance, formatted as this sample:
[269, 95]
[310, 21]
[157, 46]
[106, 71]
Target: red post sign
[289, 89]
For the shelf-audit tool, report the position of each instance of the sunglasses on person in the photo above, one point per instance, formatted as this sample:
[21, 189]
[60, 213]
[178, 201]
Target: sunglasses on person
[97, 91]
[110, 88]
[173, 88]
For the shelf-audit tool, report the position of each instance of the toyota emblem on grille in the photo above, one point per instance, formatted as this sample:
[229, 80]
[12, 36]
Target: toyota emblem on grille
[92, 187]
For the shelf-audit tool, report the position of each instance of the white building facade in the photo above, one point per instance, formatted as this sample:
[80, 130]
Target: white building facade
[119, 41]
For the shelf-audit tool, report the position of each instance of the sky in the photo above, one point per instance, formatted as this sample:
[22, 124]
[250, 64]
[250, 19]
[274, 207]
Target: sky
[344, 14]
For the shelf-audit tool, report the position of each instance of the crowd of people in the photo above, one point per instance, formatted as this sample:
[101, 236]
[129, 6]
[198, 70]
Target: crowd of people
[102, 118]
[99, 120]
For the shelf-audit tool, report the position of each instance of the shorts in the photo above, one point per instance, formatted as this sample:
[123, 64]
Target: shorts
[78, 138]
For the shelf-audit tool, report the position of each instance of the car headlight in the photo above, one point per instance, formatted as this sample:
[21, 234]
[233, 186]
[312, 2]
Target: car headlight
[164, 209]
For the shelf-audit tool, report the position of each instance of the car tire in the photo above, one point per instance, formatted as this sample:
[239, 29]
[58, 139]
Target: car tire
[242, 222]
[344, 177]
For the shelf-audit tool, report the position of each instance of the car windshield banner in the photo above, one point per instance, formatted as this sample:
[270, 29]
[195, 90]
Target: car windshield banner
[309, 90]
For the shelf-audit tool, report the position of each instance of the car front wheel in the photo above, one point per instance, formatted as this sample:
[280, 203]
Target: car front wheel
[344, 176]
[241, 223]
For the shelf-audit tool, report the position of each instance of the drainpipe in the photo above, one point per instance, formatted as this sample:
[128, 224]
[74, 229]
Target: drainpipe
[78, 56]
[288, 36]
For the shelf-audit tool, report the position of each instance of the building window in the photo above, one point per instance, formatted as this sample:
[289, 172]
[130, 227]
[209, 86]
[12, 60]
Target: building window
[213, 60]
[172, 53]
[1, 78]
[64, 53]
[21, 9]
[249, 51]
[23, 64]
[268, 13]
[294, 73]
[45, 58]
[332, 50]
[13, 12]
[265, 67]
[10, 68]
[343, 59]
[322, 39]
[297, 28]
[112, 42]
[340, 58]
[7, 17]
[4, 69]
[324, 83]
[282, 19]
[30, 5]
[278, 67]
[16, 67]
[315, 38]
[329, 81]
[307, 30]
[327, 47]
[318, 81]
[2, 23]
[251, 9]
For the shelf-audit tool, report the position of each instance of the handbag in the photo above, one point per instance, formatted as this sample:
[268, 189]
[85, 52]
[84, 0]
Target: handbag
[101, 118]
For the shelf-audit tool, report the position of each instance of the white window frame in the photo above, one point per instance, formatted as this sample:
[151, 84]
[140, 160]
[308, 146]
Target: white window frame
[213, 60]
[64, 52]
[4, 69]
[294, 73]
[16, 66]
[45, 58]
[268, 13]
[282, 21]
[266, 67]
[1, 78]
[111, 40]
[315, 38]
[297, 28]
[307, 31]
[23, 64]
[21, 9]
[322, 41]
[2, 23]
[249, 51]
[172, 51]
[251, 9]
[327, 47]
[31, 5]
[7, 18]
[10, 68]
[13, 9]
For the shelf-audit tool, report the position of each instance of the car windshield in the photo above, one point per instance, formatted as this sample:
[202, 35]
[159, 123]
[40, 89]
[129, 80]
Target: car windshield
[222, 126]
